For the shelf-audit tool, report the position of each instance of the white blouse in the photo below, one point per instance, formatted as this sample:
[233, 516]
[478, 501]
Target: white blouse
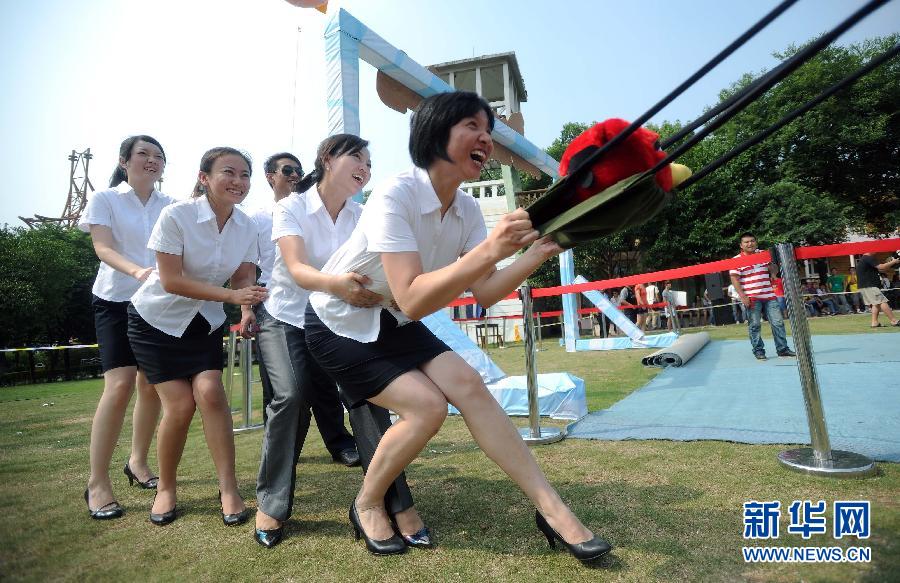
[262, 216]
[402, 214]
[131, 222]
[189, 229]
[305, 216]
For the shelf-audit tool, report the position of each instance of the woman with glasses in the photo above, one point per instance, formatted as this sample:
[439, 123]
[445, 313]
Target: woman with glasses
[176, 321]
[119, 220]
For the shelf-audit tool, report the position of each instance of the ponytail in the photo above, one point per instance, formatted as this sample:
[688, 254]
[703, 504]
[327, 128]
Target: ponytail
[309, 180]
[119, 175]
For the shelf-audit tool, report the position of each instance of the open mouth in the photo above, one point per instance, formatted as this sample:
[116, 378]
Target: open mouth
[479, 156]
[358, 178]
[234, 192]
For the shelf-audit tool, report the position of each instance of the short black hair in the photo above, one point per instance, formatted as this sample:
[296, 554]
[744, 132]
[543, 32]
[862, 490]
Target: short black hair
[745, 235]
[429, 128]
[269, 166]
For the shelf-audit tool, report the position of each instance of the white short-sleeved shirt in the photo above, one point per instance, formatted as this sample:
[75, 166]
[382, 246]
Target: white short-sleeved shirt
[131, 222]
[189, 229]
[305, 216]
[402, 214]
[262, 216]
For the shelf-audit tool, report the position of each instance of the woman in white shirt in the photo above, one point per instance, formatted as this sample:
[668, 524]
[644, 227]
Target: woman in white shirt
[176, 321]
[308, 226]
[423, 242]
[119, 220]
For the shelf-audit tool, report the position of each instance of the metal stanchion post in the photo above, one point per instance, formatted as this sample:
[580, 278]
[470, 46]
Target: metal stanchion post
[540, 334]
[247, 376]
[533, 435]
[229, 368]
[820, 459]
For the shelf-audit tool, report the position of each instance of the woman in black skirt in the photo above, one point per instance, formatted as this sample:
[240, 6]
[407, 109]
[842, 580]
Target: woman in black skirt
[176, 321]
[308, 227]
[119, 220]
[423, 242]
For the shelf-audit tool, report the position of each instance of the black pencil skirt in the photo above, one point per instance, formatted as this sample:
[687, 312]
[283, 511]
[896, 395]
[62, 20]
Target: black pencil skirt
[364, 369]
[165, 358]
[111, 324]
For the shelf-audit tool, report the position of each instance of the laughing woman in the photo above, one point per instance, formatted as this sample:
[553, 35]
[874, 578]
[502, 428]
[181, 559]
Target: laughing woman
[309, 226]
[119, 220]
[423, 242]
[176, 321]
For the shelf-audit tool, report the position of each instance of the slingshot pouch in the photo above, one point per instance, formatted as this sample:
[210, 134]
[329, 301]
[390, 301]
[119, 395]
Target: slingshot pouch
[628, 203]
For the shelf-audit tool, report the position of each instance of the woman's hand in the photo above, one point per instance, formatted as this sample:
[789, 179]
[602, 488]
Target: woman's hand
[248, 323]
[511, 233]
[247, 296]
[544, 249]
[142, 274]
[350, 287]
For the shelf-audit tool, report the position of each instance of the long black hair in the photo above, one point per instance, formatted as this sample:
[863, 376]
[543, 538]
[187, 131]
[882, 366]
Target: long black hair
[125, 150]
[334, 146]
[210, 157]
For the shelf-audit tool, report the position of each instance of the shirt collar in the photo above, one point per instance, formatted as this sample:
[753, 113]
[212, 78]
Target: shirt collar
[314, 203]
[205, 212]
[125, 188]
[429, 202]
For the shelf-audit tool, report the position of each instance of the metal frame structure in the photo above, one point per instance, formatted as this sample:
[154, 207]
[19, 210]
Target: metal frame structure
[78, 192]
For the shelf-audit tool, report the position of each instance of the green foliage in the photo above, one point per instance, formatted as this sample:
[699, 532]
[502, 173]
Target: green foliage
[832, 170]
[46, 276]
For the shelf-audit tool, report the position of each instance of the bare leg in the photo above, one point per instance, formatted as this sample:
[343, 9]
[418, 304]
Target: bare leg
[145, 419]
[886, 309]
[178, 410]
[874, 314]
[118, 385]
[422, 409]
[500, 440]
[218, 429]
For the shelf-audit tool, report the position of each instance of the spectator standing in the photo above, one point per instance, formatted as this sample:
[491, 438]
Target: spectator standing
[869, 282]
[640, 292]
[754, 286]
[853, 288]
[652, 313]
[778, 286]
[737, 307]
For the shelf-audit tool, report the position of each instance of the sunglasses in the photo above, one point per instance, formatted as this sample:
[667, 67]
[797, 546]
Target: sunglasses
[289, 170]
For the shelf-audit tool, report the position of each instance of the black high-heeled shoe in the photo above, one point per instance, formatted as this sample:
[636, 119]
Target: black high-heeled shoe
[421, 539]
[586, 551]
[268, 538]
[150, 484]
[389, 546]
[236, 518]
[113, 509]
[164, 518]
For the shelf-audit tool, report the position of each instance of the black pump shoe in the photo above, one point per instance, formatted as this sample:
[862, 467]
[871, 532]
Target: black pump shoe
[586, 551]
[150, 484]
[389, 546]
[236, 518]
[164, 518]
[113, 509]
[268, 538]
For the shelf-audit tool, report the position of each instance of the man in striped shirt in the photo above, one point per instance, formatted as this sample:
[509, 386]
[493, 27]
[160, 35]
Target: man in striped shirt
[753, 285]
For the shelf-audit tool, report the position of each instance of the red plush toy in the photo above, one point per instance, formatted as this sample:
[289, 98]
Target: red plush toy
[637, 153]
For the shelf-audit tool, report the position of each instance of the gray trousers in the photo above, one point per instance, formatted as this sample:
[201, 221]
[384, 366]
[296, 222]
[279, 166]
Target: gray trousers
[296, 382]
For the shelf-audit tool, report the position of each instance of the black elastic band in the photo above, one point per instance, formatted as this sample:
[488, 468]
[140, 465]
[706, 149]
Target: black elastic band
[637, 123]
[749, 143]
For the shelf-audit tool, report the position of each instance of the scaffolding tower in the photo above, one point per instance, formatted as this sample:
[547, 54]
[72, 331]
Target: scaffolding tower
[78, 192]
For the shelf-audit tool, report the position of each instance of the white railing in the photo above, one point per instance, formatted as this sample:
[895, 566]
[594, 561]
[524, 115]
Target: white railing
[485, 189]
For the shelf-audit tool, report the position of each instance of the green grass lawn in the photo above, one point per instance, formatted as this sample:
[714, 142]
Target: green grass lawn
[673, 510]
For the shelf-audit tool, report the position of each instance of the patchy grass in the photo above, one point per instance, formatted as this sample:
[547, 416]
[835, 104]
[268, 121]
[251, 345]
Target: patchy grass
[672, 509]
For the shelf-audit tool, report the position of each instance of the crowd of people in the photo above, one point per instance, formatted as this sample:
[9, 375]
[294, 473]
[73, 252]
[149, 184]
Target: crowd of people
[335, 311]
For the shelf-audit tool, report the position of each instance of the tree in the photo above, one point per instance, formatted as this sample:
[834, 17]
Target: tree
[46, 276]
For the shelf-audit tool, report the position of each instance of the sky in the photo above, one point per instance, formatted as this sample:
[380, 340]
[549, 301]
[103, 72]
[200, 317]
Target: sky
[251, 74]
